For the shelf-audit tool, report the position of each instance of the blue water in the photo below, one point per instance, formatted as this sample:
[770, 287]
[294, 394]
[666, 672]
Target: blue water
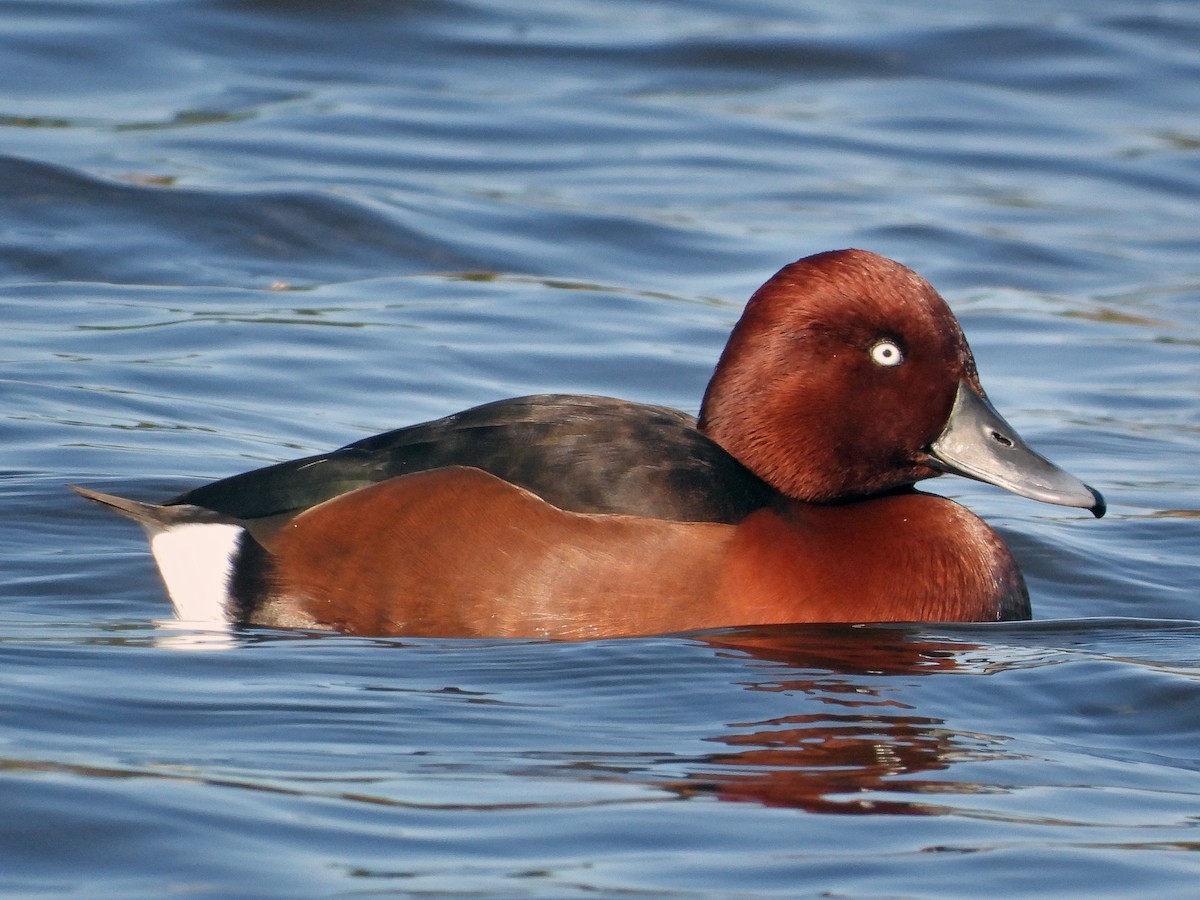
[238, 232]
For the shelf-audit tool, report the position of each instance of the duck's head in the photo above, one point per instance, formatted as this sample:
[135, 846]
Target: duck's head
[848, 376]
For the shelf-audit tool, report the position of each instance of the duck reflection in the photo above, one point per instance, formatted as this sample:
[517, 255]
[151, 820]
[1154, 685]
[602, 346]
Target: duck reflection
[867, 745]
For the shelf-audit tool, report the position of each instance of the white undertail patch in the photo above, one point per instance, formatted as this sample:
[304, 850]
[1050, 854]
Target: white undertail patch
[196, 562]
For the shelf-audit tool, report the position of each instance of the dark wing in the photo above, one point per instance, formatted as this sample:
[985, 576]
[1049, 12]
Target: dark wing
[584, 454]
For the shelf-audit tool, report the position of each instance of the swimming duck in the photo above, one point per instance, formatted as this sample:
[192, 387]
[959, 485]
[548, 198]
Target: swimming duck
[790, 499]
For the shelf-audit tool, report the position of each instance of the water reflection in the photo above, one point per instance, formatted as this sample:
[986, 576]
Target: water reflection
[873, 744]
[844, 649]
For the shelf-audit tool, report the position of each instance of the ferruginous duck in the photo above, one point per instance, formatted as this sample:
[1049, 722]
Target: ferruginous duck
[790, 499]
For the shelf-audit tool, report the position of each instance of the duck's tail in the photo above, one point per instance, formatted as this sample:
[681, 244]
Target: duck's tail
[199, 555]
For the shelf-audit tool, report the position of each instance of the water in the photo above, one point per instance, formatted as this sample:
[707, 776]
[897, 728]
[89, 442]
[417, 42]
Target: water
[237, 232]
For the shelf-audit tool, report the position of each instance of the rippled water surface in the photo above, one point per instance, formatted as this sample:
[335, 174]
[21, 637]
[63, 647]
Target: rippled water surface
[238, 232]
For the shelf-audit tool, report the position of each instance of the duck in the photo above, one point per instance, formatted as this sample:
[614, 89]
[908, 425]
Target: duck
[790, 499]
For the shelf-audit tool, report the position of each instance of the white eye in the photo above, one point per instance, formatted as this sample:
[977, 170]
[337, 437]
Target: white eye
[886, 353]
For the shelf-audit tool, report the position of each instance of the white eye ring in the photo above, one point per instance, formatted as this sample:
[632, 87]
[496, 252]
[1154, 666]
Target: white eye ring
[886, 353]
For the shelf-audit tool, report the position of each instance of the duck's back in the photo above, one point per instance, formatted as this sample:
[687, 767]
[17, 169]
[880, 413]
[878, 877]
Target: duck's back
[580, 453]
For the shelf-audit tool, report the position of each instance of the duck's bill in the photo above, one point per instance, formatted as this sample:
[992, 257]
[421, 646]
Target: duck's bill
[978, 443]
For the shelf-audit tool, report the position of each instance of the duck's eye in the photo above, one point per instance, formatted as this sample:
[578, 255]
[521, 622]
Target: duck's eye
[886, 353]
